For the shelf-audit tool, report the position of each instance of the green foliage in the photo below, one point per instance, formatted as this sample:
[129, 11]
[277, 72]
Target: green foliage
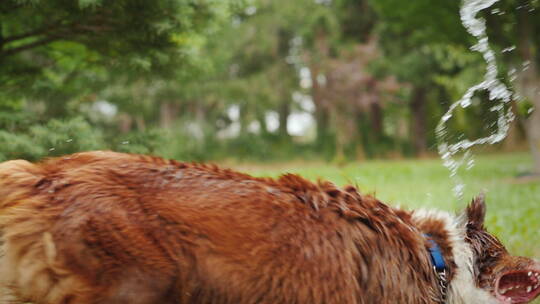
[257, 148]
[421, 21]
[165, 66]
[56, 137]
[16, 146]
[184, 147]
[63, 137]
[56, 50]
[152, 141]
[524, 108]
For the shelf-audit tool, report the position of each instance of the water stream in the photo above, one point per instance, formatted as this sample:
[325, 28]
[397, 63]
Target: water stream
[456, 154]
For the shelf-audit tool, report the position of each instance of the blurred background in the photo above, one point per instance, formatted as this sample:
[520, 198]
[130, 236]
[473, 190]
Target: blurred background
[346, 90]
[259, 80]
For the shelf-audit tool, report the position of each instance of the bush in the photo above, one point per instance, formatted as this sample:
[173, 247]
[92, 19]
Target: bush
[186, 147]
[57, 137]
[142, 142]
[19, 146]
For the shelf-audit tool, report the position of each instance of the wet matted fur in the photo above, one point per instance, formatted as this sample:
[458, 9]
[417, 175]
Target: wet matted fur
[105, 227]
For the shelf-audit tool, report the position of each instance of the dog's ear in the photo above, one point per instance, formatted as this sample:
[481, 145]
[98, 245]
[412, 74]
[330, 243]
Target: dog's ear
[476, 212]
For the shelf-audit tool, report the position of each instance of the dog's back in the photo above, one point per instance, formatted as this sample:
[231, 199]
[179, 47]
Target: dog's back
[104, 227]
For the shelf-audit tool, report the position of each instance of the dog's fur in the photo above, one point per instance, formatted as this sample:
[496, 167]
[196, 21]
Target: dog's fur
[104, 227]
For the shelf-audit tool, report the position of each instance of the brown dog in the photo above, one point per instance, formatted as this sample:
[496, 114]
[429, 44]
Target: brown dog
[105, 227]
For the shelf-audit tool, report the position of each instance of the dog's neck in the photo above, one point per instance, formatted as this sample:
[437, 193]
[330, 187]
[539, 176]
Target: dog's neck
[448, 231]
[440, 267]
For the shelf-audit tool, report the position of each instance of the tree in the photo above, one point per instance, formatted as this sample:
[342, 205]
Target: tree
[155, 36]
[510, 24]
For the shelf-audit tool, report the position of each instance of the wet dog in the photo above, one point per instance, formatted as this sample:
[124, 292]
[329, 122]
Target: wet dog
[105, 227]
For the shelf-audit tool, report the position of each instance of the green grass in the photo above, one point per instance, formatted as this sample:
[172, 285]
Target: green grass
[513, 205]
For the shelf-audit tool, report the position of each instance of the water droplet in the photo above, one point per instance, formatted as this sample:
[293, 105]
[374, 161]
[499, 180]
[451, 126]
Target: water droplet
[458, 190]
[508, 49]
[447, 116]
[496, 108]
[498, 94]
[470, 164]
[526, 64]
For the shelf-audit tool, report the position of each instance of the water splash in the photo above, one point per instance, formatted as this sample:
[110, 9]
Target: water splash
[498, 93]
[508, 49]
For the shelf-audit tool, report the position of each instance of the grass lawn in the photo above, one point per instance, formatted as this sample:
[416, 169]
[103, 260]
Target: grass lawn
[513, 205]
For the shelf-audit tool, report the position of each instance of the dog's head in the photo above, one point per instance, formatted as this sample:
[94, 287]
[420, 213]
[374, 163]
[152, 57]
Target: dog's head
[508, 278]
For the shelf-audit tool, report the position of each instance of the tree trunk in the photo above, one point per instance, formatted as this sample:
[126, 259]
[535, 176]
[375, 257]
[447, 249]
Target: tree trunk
[321, 115]
[262, 122]
[167, 114]
[341, 136]
[140, 123]
[322, 118]
[533, 135]
[242, 119]
[376, 120]
[284, 112]
[317, 60]
[513, 139]
[528, 80]
[1, 40]
[362, 138]
[418, 121]
[125, 122]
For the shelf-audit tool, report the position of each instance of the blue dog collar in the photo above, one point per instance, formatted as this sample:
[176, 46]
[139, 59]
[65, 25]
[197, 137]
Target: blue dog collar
[436, 254]
[439, 266]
